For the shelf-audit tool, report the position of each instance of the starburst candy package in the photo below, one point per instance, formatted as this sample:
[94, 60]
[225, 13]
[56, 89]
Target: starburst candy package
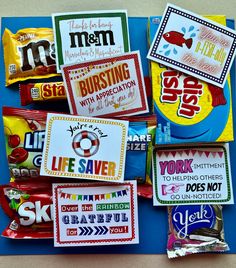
[195, 229]
[39, 92]
[187, 108]
[29, 54]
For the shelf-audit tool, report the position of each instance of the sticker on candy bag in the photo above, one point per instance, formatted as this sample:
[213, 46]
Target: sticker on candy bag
[113, 86]
[84, 148]
[194, 45]
[195, 175]
[83, 36]
[95, 214]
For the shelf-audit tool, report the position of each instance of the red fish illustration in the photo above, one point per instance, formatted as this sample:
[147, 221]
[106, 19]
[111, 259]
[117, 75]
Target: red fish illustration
[176, 38]
[217, 94]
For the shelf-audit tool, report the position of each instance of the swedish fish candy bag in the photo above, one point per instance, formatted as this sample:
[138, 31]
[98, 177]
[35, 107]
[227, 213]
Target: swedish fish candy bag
[188, 109]
[28, 54]
[24, 137]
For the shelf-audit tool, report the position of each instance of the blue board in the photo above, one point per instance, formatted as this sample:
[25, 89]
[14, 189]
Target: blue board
[153, 224]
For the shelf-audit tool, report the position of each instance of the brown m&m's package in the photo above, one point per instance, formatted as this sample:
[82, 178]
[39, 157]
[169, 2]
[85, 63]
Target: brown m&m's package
[29, 54]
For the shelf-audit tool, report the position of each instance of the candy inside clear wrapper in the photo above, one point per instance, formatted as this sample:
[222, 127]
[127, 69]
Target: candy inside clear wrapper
[195, 229]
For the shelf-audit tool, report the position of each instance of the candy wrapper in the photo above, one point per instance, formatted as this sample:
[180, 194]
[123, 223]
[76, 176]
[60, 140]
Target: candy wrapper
[195, 229]
[24, 137]
[25, 133]
[29, 205]
[28, 54]
[52, 91]
[141, 137]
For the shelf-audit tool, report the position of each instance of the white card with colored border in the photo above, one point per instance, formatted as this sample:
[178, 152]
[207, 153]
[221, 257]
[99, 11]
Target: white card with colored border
[191, 176]
[88, 35]
[194, 45]
[95, 214]
[112, 86]
[84, 148]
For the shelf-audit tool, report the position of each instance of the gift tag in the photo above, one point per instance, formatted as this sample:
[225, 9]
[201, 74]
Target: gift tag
[89, 35]
[113, 86]
[84, 148]
[187, 107]
[194, 45]
[95, 214]
[196, 175]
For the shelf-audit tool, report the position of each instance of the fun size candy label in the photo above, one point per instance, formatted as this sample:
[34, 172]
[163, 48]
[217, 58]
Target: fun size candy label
[112, 86]
[84, 148]
[194, 45]
[90, 35]
[95, 214]
[193, 175]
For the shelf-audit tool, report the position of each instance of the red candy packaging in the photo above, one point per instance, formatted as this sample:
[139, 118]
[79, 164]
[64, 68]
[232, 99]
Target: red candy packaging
[29, 205]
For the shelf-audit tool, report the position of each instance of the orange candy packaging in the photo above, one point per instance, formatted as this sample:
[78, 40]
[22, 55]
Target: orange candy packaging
[29, 54]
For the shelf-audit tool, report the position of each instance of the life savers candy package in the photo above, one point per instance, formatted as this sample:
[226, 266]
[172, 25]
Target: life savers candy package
[195, 229]
[187, 108]
[28, 54]
[38, 92]
[25, 135]
[29, 206]
[87, 148]
[24, 132]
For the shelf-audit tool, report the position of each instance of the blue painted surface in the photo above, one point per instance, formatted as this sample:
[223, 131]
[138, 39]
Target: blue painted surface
[153, 224]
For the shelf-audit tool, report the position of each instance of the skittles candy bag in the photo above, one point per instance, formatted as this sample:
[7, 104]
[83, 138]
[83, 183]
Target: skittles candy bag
[29, 205]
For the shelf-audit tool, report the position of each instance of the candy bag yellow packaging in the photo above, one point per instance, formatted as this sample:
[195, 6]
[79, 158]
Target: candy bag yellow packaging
[189, 110]
[29, 54]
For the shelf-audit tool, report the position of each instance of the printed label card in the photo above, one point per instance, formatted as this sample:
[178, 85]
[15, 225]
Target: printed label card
[84, 36]
[194, 45]
[84, 148]
[112, 86]
[95, 214]
[196, 175]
